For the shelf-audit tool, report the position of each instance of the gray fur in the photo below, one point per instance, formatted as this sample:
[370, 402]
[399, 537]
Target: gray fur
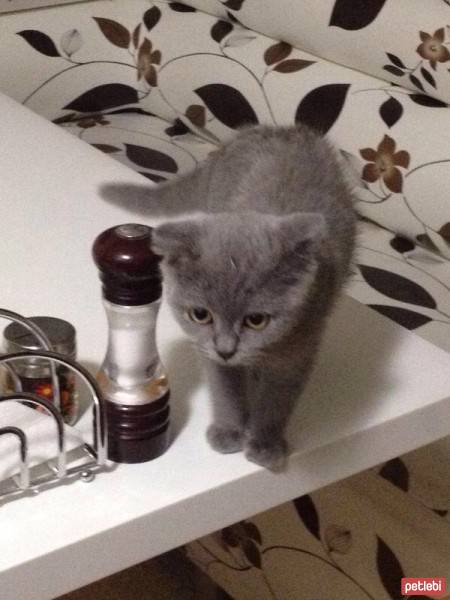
[276, 236]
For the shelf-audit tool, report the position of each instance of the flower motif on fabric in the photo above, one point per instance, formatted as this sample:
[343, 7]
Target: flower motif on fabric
[384, 163]
[146, 61]
[432, 47]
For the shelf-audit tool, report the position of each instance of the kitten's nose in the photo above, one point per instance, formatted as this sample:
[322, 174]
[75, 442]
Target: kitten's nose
[226, 354]
[225, 343]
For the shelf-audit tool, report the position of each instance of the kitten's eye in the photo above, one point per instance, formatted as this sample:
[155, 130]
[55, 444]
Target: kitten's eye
[199, 315]
[257, 321]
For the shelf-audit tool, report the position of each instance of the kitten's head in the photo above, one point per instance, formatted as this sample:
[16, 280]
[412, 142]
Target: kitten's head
[237, 282]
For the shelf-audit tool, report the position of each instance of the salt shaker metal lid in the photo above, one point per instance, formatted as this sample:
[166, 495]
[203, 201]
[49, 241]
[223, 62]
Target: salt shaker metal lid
[60, 333]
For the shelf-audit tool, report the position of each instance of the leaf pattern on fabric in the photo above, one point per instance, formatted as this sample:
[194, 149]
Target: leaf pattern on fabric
[151, 76]
[292, 65]
[153, 177]
[91, 121]
[114, 32]
[395, 60]
[230, 537]
[155, 57]
[178, 128]
[252, 531]
[428, 77]
[391, 111]
[103, 97]
[65, 119]
[151, 17]
[424, 100]
[416, 82]
[40, 42]
[402, 244]
[106, 148]
[136, 35]
[252, 553]
[234, 4]
[220, 29]
[228, 105]
[235, 20]
[276, 53]
[389, 569]
[246, 536]
[440, 513]
[196, 114]
[150, 158]
[396, 286]
[397, 473]
[179, 7]
[355, 14]
[444, 232]
[321, 107]
[393, 70]
[307, 512]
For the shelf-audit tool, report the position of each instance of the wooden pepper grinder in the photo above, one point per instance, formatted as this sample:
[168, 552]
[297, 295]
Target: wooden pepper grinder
[131, 377]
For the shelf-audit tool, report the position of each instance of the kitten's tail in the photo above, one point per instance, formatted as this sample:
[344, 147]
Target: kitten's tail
[183, 195]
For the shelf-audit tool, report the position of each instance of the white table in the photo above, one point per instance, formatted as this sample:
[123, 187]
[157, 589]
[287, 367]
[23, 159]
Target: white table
[378, 391]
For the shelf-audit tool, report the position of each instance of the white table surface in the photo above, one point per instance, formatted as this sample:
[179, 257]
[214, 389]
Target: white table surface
[377, 392]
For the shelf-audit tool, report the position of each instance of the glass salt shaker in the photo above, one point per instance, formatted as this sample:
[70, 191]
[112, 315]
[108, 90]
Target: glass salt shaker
[34, 373]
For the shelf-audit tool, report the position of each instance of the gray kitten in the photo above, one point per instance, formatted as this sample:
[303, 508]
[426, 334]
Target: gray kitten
[253, 278]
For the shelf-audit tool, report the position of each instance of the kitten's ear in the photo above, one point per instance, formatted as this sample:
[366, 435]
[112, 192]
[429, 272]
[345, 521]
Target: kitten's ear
[177, 240]
[302, 232]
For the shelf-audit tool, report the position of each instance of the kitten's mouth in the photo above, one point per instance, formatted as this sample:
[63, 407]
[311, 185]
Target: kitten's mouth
[226, 356]
[237, 359]
[224, 360]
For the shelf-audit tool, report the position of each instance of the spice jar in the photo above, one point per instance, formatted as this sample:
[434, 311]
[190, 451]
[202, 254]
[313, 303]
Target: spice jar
[35, 373]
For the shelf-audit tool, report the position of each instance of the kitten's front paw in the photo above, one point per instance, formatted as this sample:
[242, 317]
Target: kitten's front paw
[272, 456]
[224, 440]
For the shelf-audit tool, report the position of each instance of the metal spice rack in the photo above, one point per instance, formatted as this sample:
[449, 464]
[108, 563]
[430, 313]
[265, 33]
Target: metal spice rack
[88, 459]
